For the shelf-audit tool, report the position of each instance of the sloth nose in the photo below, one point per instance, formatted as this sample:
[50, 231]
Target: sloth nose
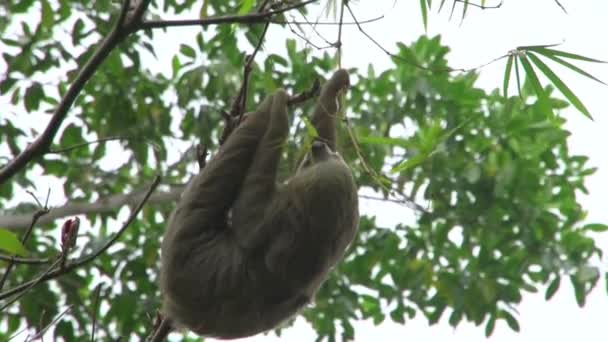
[317, 144]
[320, 150]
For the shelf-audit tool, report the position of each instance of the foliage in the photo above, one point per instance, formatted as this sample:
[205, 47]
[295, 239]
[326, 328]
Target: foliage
[495, 173]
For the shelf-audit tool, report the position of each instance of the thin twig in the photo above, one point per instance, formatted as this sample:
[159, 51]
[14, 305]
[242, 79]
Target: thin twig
[306, 95]
[252, 18]
[313, 26]
[561, 6]
[25, 261]
[339, 41]
[18, 333]
[378, 45]
[41, 332]
[483, 7]
[161, 331]
[386, 199]
[88, 258]
[326, 23]
[96, 295]
[306, 40]
[33, 195]
[102, 140]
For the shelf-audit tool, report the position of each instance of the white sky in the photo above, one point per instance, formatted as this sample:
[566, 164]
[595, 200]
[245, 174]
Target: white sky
[483, 36]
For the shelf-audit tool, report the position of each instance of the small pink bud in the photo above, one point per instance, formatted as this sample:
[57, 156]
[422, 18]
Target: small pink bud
[69, 231]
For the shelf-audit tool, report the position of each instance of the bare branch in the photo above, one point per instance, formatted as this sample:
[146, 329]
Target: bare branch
[25, 261]
[106, 204]
[161, 331]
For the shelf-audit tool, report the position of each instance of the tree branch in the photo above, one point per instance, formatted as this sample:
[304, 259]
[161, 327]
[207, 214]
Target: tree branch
[25, 261]
[106, 204]
[252, 18]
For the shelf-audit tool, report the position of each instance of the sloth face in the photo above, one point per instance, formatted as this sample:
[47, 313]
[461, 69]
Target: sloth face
[319, 152]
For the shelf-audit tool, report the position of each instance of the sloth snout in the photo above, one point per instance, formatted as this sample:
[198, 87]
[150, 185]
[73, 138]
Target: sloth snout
[320, 151]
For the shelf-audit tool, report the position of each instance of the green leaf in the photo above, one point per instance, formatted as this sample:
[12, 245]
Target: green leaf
[465, 9]
[71, 136]
[176, 66]
[311, 131]
[559, 84]
[564, 54]
[543, 99]
[517, 77]
[579, 292]
[187, 51]
[47, 15]
[16, 96]
[473, 173]
[505, 85]
[410, 163]
[548, 53]
[204, 9]
[397, 315]
[490, 325]
[385, 141]
[246, 6]
[455, 317]
[55, 167]
[552, 288]
[33, 96]
[596, 227]
[11, 244]
[424, 12]
[511, 321]
[77, 29]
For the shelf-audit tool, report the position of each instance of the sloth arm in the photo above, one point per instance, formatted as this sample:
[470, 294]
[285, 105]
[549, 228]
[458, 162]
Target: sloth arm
[211, 193]
[259, 187]
[253, 222]
[324, 115]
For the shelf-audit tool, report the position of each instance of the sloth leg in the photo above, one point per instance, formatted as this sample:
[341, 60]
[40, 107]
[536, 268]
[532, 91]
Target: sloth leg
[324, 115]
[212, 192]
[259, 187]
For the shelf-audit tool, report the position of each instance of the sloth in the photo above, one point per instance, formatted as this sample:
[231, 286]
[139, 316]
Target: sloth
[243, 253]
